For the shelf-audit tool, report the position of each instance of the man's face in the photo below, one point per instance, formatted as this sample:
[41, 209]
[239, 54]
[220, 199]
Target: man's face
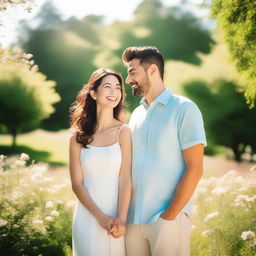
[137, 77]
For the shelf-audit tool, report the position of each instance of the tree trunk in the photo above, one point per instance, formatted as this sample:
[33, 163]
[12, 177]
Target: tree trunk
[237, 153]
[14, 137]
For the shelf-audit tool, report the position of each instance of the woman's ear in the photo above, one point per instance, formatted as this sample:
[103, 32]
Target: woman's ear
[92, 93]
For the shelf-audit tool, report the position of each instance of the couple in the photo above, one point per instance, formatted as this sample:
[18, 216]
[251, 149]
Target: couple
[134, 183]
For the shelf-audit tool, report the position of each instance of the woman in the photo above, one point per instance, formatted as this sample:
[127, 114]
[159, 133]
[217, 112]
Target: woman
[100, 166]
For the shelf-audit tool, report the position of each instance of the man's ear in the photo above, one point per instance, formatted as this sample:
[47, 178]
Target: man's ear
[152, 69]
[92, 93]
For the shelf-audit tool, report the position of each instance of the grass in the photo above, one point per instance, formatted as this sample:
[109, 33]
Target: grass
[50, 147]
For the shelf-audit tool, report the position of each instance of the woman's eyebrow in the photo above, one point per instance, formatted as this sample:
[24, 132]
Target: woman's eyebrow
[110, 84]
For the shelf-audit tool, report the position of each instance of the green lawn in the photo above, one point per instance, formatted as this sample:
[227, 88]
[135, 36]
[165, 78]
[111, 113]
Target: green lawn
[41, 145]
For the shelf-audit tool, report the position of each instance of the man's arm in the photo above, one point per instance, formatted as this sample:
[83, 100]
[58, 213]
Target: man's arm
[193, 157]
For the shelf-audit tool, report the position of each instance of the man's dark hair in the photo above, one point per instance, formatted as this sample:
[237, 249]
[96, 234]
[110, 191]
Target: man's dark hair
[146, 54]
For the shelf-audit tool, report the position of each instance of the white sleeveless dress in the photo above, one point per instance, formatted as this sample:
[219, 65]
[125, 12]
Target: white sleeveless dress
[101, 166]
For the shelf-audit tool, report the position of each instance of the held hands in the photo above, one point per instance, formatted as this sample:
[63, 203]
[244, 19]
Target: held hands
[118, 229]
[112, 225]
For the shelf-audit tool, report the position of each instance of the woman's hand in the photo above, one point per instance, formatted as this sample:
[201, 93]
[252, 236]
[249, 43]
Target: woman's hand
[106, 222]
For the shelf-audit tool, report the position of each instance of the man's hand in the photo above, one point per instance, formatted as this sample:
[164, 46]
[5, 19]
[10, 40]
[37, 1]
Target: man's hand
[118, 229]
[166, 216]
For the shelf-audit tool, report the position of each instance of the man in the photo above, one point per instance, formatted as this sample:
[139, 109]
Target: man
[168, 145]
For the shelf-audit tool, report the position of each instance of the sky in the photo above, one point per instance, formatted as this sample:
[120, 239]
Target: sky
[111, 9]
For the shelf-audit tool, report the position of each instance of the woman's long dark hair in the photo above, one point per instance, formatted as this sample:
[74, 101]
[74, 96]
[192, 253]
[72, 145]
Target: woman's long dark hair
[83, 112]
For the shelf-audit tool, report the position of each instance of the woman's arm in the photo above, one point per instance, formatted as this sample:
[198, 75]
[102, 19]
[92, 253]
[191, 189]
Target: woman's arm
[125, 180]
[77, 180]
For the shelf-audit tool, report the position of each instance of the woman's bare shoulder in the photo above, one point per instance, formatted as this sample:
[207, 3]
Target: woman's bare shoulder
[125, 131]
[73, 142]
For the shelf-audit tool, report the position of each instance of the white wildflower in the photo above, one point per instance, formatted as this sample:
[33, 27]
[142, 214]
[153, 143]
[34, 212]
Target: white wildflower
[207, 232]
[219, 191]
[16, 194]
[24, 157]
[49, 204]
[247, 235]
[39, 168]
[212, 181]
[2, 158]
[59, 186]
[230, 173]
[71, 204]
[202, 182]
[49, 218]
[51, 190]
[211, 216]
[239, 179]
[37, 222]
[19, 163]
[54, 213]
[201, 190]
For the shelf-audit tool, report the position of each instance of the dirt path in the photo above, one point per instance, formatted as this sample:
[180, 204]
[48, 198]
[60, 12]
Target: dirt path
[213, 166]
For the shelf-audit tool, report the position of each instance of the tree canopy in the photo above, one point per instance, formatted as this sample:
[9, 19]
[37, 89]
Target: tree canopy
[237, 19]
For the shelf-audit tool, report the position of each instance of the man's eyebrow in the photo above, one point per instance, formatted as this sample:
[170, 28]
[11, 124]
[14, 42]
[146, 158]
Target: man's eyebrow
[131, 69]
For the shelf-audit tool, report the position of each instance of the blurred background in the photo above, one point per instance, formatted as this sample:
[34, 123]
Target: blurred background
[209, 58]
[50, 48]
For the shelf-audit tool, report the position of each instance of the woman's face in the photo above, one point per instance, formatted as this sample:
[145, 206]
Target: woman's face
[109, 92]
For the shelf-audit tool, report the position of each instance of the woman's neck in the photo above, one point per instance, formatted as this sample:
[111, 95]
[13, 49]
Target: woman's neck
[105, 118]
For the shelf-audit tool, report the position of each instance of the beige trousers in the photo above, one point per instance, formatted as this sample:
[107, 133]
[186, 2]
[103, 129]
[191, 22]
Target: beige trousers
[161, 238]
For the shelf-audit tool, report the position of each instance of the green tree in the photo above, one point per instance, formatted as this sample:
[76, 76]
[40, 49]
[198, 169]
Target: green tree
[237, 19]
[65, 52]
[68, 51]
[228, 120]
[26, 97]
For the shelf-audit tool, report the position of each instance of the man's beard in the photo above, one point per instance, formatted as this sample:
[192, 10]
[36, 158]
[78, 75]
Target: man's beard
[142, 90]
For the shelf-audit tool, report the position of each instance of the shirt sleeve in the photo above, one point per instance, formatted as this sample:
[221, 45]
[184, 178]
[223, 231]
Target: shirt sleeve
[191, 127]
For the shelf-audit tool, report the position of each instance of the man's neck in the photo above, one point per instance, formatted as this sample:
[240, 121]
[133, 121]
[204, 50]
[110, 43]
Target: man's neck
[153, 93]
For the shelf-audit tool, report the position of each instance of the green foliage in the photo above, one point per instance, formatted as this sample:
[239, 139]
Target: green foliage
[213, 66]
[68, 51]
[238, 21]
[26, 97]
[223, 214]
[36, 211]
[228, 120]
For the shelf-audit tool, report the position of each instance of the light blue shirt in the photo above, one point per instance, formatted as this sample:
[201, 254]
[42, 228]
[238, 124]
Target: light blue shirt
[160, 132]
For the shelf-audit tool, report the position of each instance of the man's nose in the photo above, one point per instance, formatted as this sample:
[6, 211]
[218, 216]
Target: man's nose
[128, 80]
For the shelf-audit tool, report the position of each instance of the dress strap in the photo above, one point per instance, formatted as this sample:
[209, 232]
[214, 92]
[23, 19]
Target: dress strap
[120, 131]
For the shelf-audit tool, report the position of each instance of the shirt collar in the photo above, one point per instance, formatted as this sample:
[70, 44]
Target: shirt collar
[163, 98]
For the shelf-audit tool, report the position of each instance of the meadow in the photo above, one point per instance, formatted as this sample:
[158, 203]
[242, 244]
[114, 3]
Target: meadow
[36, 212]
